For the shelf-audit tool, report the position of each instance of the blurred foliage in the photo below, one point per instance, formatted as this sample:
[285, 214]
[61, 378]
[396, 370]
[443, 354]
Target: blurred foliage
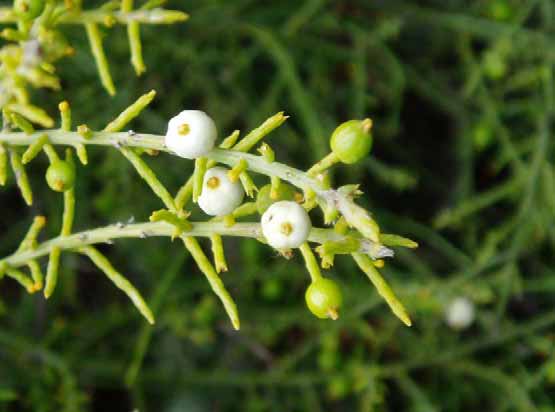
[461, 94]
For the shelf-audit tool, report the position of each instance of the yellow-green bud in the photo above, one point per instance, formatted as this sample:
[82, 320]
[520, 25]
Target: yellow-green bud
[324, 298]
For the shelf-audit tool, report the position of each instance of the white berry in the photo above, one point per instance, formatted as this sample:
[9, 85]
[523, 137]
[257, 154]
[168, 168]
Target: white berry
[191, 134]
[459, 314]
[285, 225]
[220, 196]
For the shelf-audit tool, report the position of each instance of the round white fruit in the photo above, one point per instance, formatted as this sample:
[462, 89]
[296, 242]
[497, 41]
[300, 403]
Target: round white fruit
[460, 313]
[285, 225]
[220, 196]
[191, 134]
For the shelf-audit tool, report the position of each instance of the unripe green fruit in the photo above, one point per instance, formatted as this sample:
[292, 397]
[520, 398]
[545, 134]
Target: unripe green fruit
[264, 200]
[324, 298]
[29, 9]
[60, 176]
[352, 140]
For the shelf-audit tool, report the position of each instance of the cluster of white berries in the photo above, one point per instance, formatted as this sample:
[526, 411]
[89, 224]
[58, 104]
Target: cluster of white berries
[192, 134]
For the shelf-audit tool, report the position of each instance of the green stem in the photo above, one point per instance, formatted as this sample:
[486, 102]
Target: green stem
[252, 139]
[36, 274]
[130, 113]
[198, 177]
[21, 177]
[33, 113]
[134, 34]
[356, 216]
[30, 239]
[3, 165]
[52, 271]
[143, 230]
[99, 16]
[237, 169]
[119, 280]
[184, 194]
[82, 153]
[246, 209]
[181, 224]
[218, 252]
[22, 123]
[310, 262]
[34, 149]
[20, 278]
[65, 116]
[50, 153]
[95, 41]
[248, 185]
[150, 178]
[230, 140]
[69, 212]
[156, 142]
[54, 258]
[382, 287]
[323, 164]
[215, 282]
[275, 184]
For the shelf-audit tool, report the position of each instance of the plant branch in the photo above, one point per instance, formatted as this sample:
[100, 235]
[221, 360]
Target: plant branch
[100, 16]
[342, 200]
[143, 230]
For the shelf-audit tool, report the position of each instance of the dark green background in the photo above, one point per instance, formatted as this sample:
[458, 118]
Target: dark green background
[461, 96]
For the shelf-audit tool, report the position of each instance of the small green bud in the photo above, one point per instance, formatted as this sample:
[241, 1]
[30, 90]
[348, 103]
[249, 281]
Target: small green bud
[264, 199]
[28, 9]
[352, 140]
[53, 45]
[324, 298]
[60, 176]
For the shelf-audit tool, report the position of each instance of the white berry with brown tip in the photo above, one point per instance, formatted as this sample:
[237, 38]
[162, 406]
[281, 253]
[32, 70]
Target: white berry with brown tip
[220, 196]
[191, 134]
[285, 225]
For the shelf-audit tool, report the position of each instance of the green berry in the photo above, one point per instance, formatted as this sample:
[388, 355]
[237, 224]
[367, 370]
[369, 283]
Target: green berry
[60, 176]
[264, 199]
[323, 298]
[29, 9]
[352, 140]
